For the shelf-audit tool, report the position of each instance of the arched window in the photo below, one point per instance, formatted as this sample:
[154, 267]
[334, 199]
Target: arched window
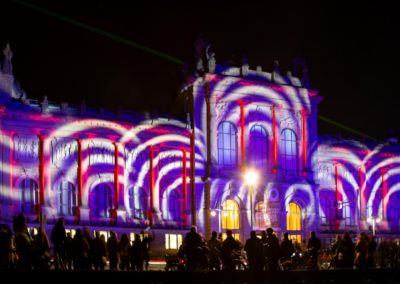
[102, 201]
[230, 215]
[261, 215]
[171, 205]
[67, 199]
[258, 145]
[227, 144]
[293, 221]
[138, 202]
[289, 151]
[29, 196]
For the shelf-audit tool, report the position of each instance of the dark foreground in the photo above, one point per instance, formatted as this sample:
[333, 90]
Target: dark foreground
[303, 277]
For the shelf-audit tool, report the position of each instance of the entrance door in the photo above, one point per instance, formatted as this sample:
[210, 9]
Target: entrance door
[231, 217]
[293, 222]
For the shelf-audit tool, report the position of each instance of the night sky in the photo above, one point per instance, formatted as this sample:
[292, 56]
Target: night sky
[352, 52]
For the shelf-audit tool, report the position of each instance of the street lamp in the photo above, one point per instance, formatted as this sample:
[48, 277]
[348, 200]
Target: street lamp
[251, 178]
[373, 221]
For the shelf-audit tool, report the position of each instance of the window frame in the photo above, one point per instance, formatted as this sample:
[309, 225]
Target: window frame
[222, 148]
[258, 143]
[33, 191]
[289, 158]
[72, 199]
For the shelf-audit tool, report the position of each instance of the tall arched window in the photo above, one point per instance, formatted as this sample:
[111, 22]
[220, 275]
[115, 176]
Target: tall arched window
[29, 196]
[138, 202]
[67, 199]
[227, 144]
[258, 145]
[293, 221]
[261, 215]
[102, 201]
[289, 151]
[171, 205]
[230, 215]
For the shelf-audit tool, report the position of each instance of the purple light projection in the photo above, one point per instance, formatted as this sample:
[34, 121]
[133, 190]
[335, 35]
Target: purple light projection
[92, 169]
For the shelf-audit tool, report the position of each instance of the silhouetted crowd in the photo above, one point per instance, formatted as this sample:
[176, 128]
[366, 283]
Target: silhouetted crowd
[24, 250]
[266, 252]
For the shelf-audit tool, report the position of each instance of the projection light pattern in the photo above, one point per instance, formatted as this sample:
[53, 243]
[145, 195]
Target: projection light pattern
[98, 165]
[358, 182]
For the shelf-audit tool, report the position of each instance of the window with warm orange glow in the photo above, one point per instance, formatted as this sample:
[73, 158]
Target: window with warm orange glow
[230, 214]
[293, 219]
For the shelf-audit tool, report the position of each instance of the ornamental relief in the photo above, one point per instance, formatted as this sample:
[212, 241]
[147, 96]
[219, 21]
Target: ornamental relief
[221, 108]
[137, 157]
[288, 120]
[258, 112]
[62, 150]
[101, 152]
[28, 172]
[325, 173]
[26, 148]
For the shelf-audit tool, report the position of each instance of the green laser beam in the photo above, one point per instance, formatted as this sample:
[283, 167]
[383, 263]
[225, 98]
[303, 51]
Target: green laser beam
[337, 124]
[148, 50]
[99, 31]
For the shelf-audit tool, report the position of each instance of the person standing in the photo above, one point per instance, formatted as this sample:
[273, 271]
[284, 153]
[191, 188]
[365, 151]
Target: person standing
[272, 250]
[192, 245]
[112, 249]
[214, 247]
[58, 237]
[313, 247]
[230, 247]
[255, 254]
[287, 248]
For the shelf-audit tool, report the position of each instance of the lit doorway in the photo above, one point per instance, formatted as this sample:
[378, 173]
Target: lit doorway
[231, 218]
[293, 222]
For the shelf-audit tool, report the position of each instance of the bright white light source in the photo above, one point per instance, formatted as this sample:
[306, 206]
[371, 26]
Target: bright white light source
[251, 178]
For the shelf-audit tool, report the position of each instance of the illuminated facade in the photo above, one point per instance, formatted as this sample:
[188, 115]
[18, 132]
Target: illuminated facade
[126, 173]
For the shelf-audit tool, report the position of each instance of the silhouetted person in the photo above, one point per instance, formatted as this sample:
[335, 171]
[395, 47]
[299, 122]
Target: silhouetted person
[137, 254]
[146, 250]
[41, 249]
[88, 238]
[255, 253]
[99, 251]
[334, 250]
[124, 249]
[360, 260]
[79, 251]
[58, 237]
[287, 248]
[230, 247]
[23, 242]
[272, 250]
[346, 252]
[192, 248]
[112, 249]
[313, 247]
[214, 247]
[371, 249]
[68, 253]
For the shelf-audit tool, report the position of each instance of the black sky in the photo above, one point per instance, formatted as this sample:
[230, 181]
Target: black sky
[352, 50]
